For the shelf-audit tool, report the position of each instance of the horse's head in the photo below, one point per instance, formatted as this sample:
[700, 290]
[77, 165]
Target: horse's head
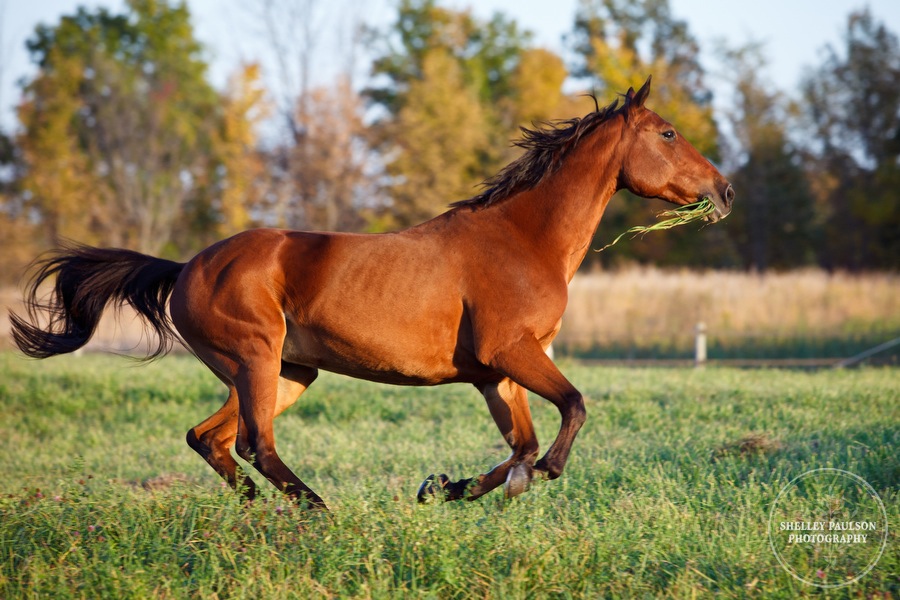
[660, 163]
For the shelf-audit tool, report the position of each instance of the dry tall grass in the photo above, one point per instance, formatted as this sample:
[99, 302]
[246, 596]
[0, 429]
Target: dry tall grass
[647, 307]
[644, 307]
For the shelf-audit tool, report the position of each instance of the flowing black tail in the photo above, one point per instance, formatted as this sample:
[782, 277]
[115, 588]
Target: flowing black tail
[87, 279]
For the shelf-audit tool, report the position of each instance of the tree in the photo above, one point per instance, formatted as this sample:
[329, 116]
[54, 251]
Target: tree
[487, 52]
[776, 225]
[440, 135]
[56, 180]
[852, 109]
[18, 235]
[119, 126]
[537, 89]
[242, 190]
[320, 173]
[619, 43]
[447, 89]
[324, 178]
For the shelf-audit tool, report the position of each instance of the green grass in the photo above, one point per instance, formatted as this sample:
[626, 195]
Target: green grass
[660, 498]
[682, 215]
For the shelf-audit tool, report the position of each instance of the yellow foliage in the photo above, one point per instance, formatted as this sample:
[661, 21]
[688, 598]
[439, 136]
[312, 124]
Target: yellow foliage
[245, 106]
[442, 132]
[57, 178]
[538, 84]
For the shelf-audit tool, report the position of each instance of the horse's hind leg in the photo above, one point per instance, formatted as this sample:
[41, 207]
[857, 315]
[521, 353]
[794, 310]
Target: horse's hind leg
[263, 392]
[213, 438]
[508, 403]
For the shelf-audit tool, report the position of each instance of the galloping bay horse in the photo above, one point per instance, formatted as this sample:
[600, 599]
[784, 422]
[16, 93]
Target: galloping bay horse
[474, 295]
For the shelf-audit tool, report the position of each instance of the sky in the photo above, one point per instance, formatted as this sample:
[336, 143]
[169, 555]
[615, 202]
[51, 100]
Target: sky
[794, 31]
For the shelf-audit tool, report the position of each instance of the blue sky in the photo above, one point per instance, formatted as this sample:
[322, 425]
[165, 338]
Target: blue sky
[794, 31]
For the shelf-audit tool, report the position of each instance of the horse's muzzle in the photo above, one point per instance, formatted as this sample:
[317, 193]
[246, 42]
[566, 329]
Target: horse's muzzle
[723, 200]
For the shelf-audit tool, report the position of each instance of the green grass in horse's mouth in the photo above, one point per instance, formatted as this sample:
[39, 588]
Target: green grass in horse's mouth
[677, 216]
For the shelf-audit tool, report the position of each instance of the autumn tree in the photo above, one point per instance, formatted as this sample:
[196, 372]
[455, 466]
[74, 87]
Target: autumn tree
[453, 90]
[57, 181]
[619, 43]
[323, 179]
[487, 52]
[776, 225]
[320, 168]
[852, 110]
[119, 126]
[18, 233]
[440, 136]
[242, 182]
[536, 93]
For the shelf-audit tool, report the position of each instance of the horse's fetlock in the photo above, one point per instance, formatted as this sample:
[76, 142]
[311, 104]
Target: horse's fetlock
[244, 449]
[530, 452]
[576, 408]
[548, 468]
[554, 471]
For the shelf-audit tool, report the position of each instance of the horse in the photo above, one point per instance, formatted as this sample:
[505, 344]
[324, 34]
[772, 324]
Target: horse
[475, 295]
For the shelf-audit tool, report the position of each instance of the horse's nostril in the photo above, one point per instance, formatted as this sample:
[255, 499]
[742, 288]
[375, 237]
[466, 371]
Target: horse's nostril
[729, 195]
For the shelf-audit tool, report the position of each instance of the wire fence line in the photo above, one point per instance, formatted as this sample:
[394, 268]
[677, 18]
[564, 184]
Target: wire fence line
[704, 345]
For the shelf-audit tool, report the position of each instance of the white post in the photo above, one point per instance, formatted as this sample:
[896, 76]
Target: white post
[700, 344]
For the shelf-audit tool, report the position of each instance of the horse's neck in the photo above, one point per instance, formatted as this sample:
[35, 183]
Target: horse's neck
[563, 211]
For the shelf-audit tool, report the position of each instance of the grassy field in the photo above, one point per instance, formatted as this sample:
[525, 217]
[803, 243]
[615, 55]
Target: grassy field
[667, 492]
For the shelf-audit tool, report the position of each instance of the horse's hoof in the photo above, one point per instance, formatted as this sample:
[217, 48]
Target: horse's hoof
[518, 480]
[432, 488]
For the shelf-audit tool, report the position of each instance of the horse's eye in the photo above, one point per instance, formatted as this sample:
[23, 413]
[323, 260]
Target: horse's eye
[669, 135]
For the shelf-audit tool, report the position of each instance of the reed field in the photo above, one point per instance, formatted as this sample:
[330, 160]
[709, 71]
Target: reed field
[652, 313]
[666, 494]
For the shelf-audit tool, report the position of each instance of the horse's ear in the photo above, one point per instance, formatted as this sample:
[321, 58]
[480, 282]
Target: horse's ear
[641, 96]
[635, 100]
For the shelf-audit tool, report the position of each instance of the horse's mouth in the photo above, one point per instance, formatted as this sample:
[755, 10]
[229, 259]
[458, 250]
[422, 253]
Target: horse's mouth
[716, 216]
[722, 204]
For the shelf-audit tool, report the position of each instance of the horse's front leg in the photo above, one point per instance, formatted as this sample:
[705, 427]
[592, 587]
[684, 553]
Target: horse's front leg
[526, 363]
[508, 403]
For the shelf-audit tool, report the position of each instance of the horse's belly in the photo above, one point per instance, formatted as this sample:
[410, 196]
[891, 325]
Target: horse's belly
[390, 359]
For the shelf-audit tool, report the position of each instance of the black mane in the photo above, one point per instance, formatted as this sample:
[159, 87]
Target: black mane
[545, 147]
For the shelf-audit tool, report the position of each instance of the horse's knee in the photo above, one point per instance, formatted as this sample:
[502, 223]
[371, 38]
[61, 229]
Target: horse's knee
[256, 451]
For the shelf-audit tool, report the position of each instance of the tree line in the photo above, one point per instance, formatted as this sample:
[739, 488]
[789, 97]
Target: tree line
[122, 139]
